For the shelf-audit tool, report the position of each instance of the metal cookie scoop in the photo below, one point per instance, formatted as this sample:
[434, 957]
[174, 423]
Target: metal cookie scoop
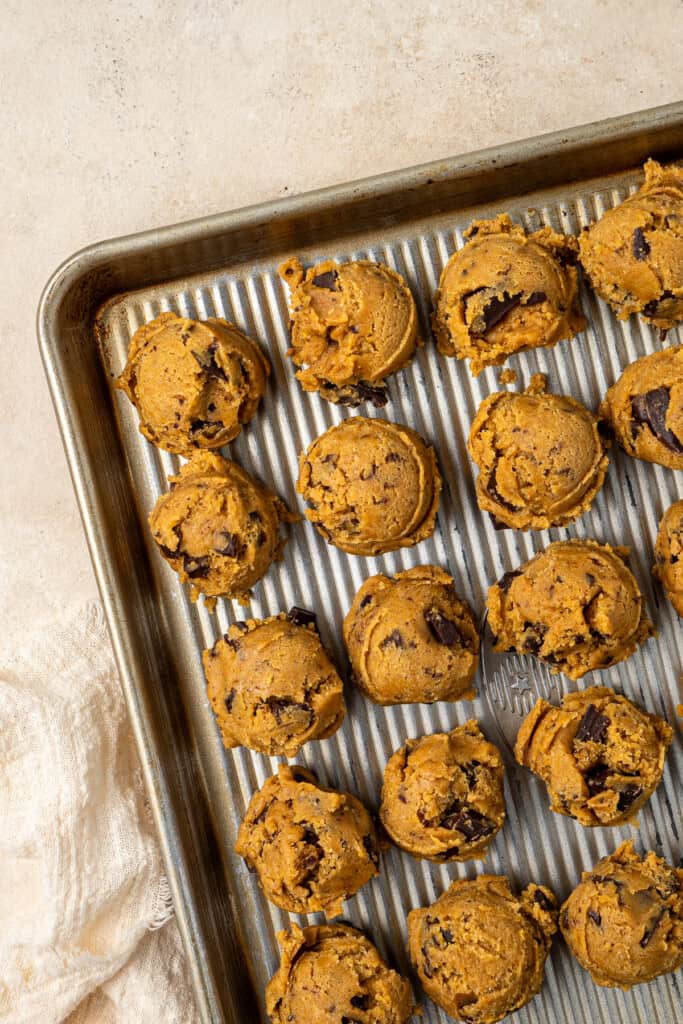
[511, 685]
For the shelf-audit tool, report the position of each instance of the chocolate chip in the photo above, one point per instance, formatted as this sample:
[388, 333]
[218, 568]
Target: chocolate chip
[232, 642]
[241, 625]
[592, 727]
[327, 280]
[641, 246]
[330, 457]
[167, 553]
[393, 639]
[492, 488]
[651, 308]
[255, 516]
[564, 919]
[229, 700]
[231, 546]
[369, 393]
[394, 457]
[471, 772]
[505, 582]
[595, 778]
[370, 845]
[595, 917]
[207, 361]
[534, 635]
[543, 901]
[302, 617]
[650, 409]
[495, 310]
[283, 706]
[196, 568]
[447, 935]
[652, 928]
[603, 879]
[628, 796]
[442, 629]
[535, 298]
[351, 1020]
[365, 601]
[473, 825]
[261, 538]
[360, 1002]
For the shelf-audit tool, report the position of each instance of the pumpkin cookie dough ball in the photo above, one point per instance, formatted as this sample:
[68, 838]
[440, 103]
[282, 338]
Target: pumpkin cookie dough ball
[506, 292]
[371, 486]
[311, 846]
[479, 950]
[329, 973]
[272, 685]
[411, 639]
[352, 325]
[633, 255]
[443, 795]
[624, 921]
[575, 606]
[600, 755]
[668, 567]
[541, 459]
[194, 382]
[645, 408]
[218, 527]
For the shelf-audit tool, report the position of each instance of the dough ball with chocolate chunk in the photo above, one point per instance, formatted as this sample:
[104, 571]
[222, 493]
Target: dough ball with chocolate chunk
[645, 408]
[411, 639]
[371, 486]
[194, 382]
[479, 950]
[272, 685]
[541, 459]
[218, 527]
[505, 292]
[443, 795]
[576, 606]
[312, 847]
[633, 255]
[599, 754]
[624, 920]
[668, 567]
[331, 973]
[352, 325]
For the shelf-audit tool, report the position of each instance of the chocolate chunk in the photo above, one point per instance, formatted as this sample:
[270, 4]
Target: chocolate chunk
[534, 635]
[442, 629]
[650, 409]
[592, 727]
[652, 928]
[232, 642]
[651, 308]
[595, 917]
[426, 964]
[543, 901]
[535, 298]
[564, 919]
[229, 700]
[207, 361]
[255, 516]
[196, 568]
[261, 538]
[360, 1002]
[327, 280]
[628, 796]
[471, 772]
[498, 524]
[495, 310]
[641, 246]
[596, 778]
[447, 935]
[393, 639]
[505, 581]
[350, 1020]
[473, 825]
[371, 849]
[365, 601]
[302, 617]
[241, 624]
[394, 457]
[369, 393]
[492, 488]
[230, 545]
[280, 707]
[603, 879]
[167, 553]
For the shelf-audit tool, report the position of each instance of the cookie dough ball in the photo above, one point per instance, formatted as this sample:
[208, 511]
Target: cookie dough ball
[194, 382]
[576, 606]
[480, 951]
[645, 408]
[311, 846]
[599, 754]
[541, 459]
[624, 920]
[352, 325]
[443, 795]
[371, 486]
[218, 527]
[505, 292]
[633, 255]
[411, 639]
[668, 567]
[272, 685]
[331, 973]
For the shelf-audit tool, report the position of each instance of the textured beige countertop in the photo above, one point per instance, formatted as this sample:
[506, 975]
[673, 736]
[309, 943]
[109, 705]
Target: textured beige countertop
[118, 116]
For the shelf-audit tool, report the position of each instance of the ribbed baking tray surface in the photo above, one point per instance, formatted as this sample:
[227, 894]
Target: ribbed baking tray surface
[438, 397]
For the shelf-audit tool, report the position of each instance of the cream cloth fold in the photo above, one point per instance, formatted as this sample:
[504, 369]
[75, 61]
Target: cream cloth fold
[84, 902]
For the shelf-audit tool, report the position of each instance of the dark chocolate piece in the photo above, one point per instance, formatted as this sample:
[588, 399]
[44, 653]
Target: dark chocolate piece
[360, 1002]
[231, 545]
[393, 639]
[652, 928]
[596, 777]
[535, 298]
[628, 796]
[280, 706]
[327, 280]
[641, 246]
[302, 617]
[442, 629]
[595, 917]
[229, 700]
[196, 568]
[494, 311]
[543, 901]
[534, 635]
[369, 393]
[207, 361]
[650, 410]
[592, 727]
[505, 581]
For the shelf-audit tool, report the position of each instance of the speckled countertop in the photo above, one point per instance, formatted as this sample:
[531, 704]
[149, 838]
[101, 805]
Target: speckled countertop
[118, 116]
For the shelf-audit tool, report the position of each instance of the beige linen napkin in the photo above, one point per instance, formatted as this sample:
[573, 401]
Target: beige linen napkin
[86, 928]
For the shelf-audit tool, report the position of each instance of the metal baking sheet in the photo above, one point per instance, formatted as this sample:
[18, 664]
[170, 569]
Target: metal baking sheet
[225, 266]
